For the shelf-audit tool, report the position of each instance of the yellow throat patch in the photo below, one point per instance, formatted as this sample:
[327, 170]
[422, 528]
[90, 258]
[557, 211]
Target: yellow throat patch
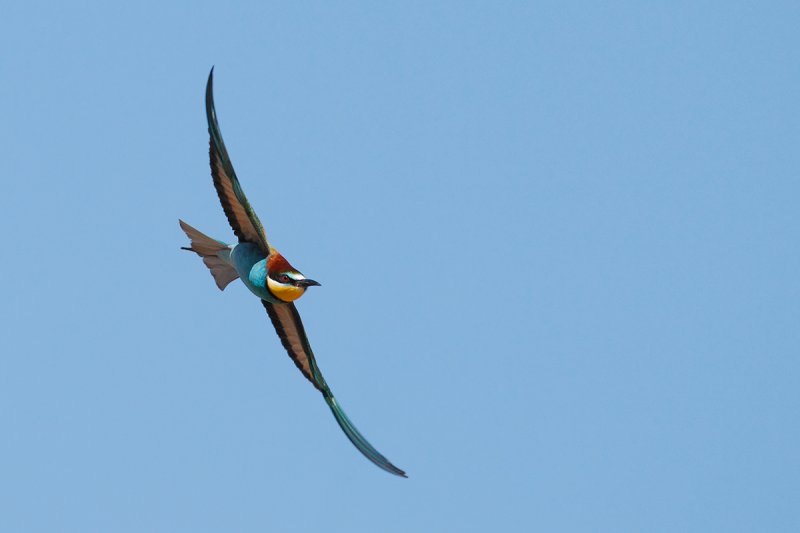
[286, 293]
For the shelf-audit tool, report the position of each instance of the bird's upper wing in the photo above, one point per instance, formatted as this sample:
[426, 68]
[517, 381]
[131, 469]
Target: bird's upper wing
[241, 216]
[290, 329]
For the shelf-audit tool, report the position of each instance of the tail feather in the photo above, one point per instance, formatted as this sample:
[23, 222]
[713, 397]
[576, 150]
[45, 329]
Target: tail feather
[209, 249]
[223, 273]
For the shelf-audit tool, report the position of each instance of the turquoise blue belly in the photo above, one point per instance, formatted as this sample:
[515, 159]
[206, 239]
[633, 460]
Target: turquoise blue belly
[251, 264]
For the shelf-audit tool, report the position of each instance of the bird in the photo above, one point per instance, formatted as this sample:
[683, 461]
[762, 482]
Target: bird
[266, 273]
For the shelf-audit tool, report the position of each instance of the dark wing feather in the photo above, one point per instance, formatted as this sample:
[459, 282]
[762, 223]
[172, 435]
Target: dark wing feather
[290, 329]
[293, 337]
[241, 216]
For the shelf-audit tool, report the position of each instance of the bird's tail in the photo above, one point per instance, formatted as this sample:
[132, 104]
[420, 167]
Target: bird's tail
[209, 249]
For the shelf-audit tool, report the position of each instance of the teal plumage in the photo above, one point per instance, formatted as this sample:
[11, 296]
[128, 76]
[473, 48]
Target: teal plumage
[251, 265]
[267, 274]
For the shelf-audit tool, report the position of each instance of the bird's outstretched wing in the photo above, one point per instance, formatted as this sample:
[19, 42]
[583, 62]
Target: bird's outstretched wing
[241, 216]
[290, 329]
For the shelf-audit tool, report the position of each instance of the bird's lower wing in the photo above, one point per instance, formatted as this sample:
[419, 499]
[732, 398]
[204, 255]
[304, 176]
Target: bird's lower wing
[290, 329]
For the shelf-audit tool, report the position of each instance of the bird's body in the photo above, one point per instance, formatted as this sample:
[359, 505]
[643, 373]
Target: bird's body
[251, 265]
[267, 274]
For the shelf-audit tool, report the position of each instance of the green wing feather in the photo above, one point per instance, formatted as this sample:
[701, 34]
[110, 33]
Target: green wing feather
[242, 218]
[290, 329]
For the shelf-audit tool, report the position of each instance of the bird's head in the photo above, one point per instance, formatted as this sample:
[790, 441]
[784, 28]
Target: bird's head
[285, 281]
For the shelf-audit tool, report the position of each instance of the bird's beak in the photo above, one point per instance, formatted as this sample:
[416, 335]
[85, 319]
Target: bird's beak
[308, 283]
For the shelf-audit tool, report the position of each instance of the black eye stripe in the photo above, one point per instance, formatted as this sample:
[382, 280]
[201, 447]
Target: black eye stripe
[285, 279]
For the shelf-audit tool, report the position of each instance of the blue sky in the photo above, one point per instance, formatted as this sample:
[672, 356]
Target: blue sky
[558, 246]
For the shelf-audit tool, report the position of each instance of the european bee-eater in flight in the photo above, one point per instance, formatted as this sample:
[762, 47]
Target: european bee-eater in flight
[267, 274]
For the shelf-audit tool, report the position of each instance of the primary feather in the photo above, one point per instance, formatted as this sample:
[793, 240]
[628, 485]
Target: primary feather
[241, 216]
[289, 327]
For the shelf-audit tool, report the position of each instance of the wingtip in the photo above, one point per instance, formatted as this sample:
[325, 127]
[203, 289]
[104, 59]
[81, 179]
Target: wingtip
[400, 473]
[210, 83]
[211, 113]
[355, 436]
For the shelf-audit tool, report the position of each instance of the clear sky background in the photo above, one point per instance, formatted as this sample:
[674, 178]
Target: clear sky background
[558, 244]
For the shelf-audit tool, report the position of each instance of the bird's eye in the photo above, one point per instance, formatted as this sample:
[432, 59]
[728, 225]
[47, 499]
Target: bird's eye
[283, 278]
